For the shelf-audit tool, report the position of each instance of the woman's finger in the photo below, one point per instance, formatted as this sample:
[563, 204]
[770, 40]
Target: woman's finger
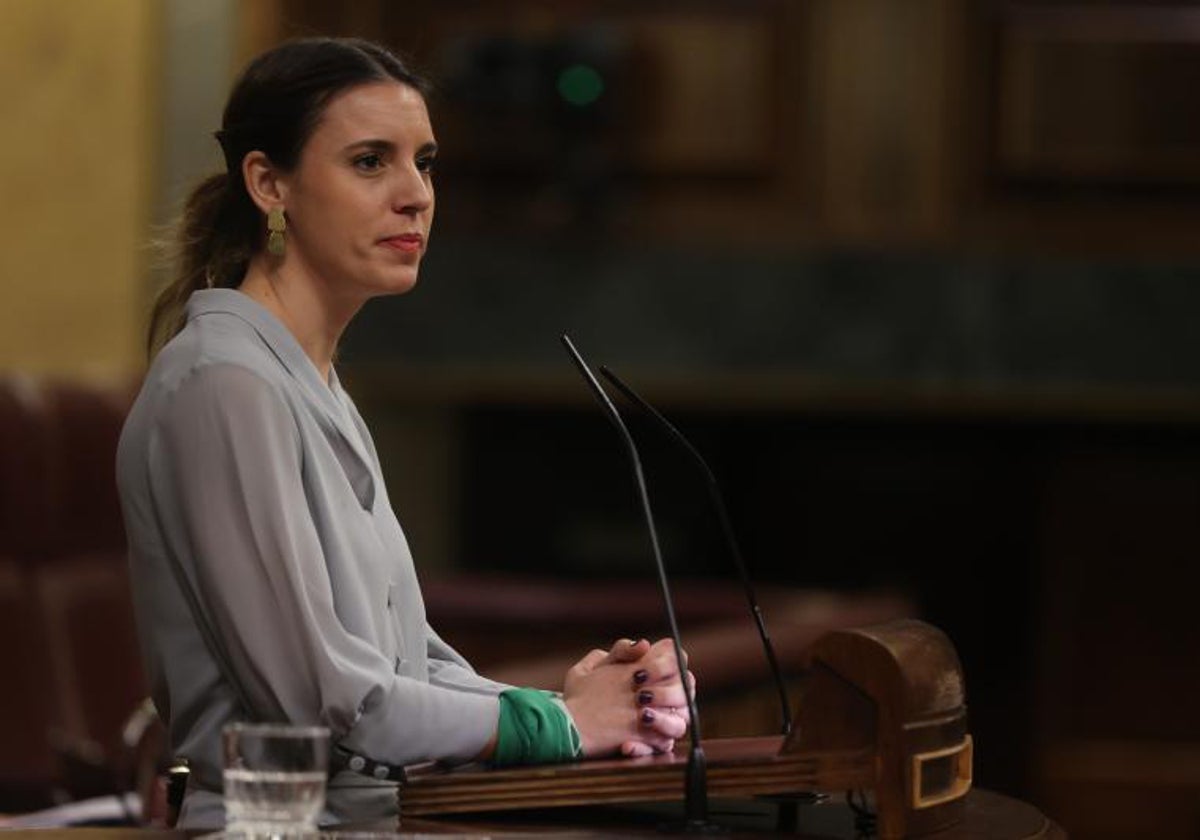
[581, 670]
[660, 663]
[626, 650]
[661, 723]
[636, 749]
[657, 743]
[588, 663]
[680, 712]
[652, 678]
[667, 694]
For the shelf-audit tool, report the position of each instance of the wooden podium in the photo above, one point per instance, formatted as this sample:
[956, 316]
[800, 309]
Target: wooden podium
[883, 711]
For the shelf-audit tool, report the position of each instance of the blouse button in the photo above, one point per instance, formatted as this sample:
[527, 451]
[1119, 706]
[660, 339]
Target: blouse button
[380, 771]
[357, 763]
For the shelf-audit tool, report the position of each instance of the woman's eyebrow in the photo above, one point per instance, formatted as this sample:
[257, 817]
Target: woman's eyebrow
[386, 146]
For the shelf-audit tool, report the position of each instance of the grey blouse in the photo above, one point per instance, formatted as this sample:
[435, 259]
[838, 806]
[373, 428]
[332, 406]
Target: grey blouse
[271, 579]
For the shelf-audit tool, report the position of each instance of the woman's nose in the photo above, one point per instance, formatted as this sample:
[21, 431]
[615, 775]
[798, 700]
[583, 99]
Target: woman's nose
[414, 192]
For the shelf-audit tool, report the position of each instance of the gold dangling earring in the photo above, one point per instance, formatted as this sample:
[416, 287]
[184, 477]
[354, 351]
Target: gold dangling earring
[276, 227]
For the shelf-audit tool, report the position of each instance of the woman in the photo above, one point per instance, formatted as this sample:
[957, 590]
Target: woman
[271, 579]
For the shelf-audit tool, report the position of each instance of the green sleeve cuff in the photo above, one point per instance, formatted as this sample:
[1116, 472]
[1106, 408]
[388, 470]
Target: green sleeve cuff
[534, 728]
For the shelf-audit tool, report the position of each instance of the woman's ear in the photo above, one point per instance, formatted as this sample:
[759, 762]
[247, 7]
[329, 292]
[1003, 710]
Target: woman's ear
[264, 182]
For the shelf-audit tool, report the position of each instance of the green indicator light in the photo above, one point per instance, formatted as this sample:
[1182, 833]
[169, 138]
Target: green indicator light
[580, 85]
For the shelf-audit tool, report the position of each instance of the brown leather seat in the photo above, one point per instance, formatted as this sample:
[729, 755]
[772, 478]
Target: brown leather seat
[27, 705]
[25, 473]
[70, 644]
[83, 425]
[83, 583]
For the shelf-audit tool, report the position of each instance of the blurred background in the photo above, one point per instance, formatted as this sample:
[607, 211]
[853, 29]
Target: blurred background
[918, 276]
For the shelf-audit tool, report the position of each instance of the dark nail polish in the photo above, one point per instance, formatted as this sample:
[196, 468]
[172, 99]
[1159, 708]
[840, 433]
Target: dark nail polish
[647, 716]
[645, 698]
[640, 677]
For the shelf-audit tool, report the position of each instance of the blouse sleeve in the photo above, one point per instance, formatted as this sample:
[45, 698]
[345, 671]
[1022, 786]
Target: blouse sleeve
[231, 458]
[449, 669]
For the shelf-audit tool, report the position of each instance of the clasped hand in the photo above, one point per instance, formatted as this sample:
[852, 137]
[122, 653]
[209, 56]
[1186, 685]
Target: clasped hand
[628, 700]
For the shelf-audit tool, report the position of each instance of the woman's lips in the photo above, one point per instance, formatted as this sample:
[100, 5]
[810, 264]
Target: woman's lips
[409, 242]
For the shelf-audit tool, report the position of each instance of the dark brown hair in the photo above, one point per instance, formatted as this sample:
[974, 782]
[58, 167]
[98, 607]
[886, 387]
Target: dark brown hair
[274, 108]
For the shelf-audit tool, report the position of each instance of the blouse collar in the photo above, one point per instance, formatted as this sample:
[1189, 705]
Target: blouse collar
[287, 350]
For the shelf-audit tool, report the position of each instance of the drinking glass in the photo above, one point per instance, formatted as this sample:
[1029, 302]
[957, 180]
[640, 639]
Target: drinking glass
[274, 778]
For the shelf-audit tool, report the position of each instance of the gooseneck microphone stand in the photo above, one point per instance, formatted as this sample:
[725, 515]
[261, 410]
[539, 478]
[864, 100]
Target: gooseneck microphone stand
[731, 543]
[696, 778]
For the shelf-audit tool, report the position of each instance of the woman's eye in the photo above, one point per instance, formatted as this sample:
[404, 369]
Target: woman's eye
[368, 163]
[425, 164]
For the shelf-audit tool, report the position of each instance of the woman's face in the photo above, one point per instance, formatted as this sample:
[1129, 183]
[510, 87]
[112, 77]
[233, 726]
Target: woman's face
[360, 201]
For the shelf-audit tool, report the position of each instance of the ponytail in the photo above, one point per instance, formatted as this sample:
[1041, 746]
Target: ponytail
[214, 240]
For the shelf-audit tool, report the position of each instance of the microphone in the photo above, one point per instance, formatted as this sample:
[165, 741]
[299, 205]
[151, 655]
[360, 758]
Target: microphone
[718, 501]
[696, 819]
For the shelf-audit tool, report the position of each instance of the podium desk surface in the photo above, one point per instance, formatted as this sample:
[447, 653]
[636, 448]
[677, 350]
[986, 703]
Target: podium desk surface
[989, 816]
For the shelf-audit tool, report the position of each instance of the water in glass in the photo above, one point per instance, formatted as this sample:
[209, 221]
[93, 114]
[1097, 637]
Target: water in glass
[274, 778]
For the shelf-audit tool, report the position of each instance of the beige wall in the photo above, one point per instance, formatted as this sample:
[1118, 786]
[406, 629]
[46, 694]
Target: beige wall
[78, 117]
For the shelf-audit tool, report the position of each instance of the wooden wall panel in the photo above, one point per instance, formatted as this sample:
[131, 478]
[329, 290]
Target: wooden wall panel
[961, 123]
[1103, 96]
